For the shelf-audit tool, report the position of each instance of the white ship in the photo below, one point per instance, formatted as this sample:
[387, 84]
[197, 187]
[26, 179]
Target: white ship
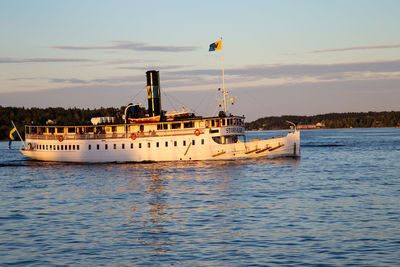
[157, 136]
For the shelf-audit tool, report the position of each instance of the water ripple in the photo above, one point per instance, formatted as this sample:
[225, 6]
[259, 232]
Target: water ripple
[336, 205]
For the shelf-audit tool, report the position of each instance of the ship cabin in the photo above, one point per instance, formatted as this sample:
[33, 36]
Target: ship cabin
[223, 130]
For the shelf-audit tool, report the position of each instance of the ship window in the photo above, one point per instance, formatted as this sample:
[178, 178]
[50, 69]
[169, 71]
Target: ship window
[115, 146]
[114, 129]
[73, 147]
[90, 147]
[106, 146]
[166, 144]
[77, 147]
[175, 126]
[157, 144]
[58, 147]
[60, 130]
[142, 128]
[131, 145]
[98, 146]
[165, 126]
[212, 123]
[123, 146]
[193, 142]
[175, 143]
[47, 147]
[69, 147]
[188, 124]
[184, 142]
[62, 147]
[71, 130]
[140, 145]
[159, 126]
[223, 122]
[202, 141]
[148, 145]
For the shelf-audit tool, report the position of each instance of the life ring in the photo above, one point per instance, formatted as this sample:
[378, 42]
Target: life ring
[197, 132]
[133, 136]
[60, 138]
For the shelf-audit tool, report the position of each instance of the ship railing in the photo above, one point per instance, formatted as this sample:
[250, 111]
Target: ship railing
[133, 135]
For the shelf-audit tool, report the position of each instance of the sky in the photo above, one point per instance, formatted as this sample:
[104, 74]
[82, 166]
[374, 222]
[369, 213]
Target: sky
[280, 57]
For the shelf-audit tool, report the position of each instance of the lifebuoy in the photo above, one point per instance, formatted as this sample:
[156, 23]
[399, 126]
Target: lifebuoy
[197, 132]
[60, 138]
[133, 136]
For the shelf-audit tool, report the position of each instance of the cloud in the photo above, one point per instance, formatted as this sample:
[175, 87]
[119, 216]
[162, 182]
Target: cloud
[42, 60]
[75, 81]
[162, 68]
[296, 70]
[355, 48]
[134, 46]
[267, 75]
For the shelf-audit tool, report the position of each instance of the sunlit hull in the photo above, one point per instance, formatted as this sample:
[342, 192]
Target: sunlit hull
[201, 147]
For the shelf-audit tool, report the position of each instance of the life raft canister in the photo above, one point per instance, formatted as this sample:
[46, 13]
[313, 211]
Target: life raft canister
[133, 136]
[197, 132]
[60, 138]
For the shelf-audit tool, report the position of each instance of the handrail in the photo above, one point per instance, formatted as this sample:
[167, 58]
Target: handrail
[91, 136]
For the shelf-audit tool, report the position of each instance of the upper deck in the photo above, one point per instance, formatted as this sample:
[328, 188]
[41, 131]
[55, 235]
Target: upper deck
[215, 126]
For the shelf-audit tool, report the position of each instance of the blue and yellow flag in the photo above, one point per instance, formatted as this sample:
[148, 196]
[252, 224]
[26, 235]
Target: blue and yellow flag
[13, 135]
[216, 46]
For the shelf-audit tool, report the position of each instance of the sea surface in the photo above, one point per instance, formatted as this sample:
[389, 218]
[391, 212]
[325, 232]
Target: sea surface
[338, 204]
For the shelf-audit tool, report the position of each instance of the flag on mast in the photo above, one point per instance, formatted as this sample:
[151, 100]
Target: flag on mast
[216, 46]
[13, 134]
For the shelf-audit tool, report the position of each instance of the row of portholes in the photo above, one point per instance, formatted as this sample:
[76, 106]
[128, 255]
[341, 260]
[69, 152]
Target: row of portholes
[76, 147]
[157, 144]
[56, 147]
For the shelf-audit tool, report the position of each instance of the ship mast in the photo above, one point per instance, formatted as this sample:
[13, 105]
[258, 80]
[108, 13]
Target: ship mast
[224, 92]
[218, 46]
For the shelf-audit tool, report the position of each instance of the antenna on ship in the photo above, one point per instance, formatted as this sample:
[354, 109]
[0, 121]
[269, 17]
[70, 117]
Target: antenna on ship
[218, 46]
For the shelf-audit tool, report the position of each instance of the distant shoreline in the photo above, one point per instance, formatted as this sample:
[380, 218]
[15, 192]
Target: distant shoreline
[347, 120]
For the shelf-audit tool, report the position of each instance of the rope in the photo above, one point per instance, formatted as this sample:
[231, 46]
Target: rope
[182, 103]
[139, 91]
[169, 101]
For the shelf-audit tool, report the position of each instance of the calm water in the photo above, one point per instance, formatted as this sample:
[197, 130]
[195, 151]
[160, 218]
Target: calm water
[339, 204]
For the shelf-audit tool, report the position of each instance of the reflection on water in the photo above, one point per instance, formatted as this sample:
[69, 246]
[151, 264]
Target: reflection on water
[338, 205]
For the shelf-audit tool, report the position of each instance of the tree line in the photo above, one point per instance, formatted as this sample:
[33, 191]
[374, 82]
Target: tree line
[330, 120]
[74, 116]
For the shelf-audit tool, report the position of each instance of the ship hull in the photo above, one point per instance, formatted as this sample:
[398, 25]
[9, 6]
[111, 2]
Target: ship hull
[181, 148]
